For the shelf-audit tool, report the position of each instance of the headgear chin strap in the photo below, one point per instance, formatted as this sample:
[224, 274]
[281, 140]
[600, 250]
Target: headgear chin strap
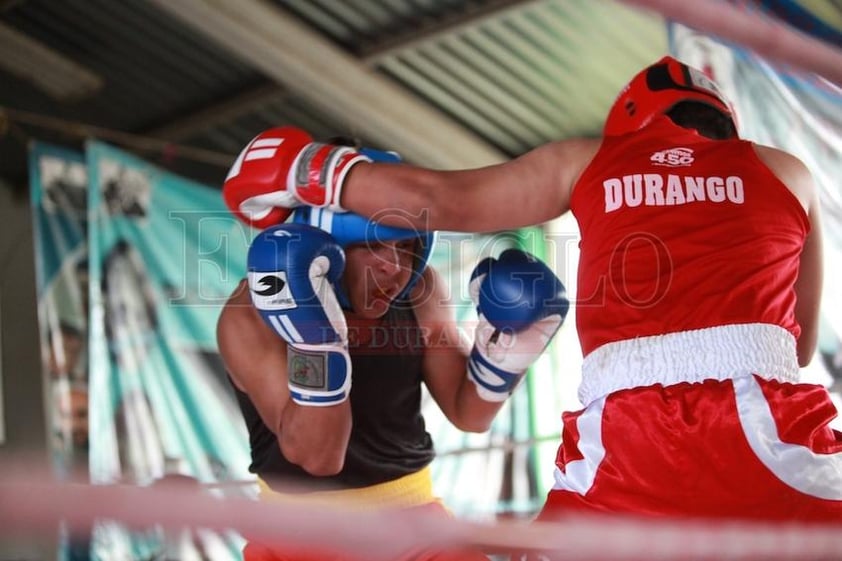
[349, 228]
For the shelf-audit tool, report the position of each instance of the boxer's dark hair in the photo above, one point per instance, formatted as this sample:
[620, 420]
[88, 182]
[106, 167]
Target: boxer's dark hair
[708, 120]
[342, 140]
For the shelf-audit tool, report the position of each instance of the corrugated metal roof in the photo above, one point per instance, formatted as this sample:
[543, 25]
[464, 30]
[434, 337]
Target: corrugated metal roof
[515, 74]
[153, 68]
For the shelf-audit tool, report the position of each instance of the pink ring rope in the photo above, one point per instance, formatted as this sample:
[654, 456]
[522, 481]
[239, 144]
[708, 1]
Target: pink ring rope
[774, 41]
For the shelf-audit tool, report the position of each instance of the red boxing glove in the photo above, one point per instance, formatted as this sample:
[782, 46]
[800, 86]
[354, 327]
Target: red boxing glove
[283, 168]
[256, 187]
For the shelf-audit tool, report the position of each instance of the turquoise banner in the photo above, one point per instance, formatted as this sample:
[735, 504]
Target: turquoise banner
[162, 252]
[59, 186]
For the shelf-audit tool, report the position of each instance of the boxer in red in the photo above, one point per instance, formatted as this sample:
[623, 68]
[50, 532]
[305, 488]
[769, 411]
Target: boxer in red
[698, 299]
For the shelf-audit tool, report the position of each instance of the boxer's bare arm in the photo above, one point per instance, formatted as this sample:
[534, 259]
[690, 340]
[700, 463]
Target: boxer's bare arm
[256, 360]
[528, 190]
[808, 288]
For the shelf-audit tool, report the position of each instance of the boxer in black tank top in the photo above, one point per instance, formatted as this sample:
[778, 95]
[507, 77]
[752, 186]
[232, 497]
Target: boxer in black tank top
[388, 439]
[370, 446]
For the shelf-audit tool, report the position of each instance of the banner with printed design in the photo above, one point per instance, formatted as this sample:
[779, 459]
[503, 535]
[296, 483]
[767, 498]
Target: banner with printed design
[163, 256]
[59, 186]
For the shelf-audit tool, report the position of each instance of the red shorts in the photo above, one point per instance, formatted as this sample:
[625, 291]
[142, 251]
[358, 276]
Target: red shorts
[744, 447]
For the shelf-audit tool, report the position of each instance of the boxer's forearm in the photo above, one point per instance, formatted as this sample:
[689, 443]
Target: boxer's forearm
[531, 189]
[479, 200]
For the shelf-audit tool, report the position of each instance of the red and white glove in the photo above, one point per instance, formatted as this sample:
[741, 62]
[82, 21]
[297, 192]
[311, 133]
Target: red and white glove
[282, 168]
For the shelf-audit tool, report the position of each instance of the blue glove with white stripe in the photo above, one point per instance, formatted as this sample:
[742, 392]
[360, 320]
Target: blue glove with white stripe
[521, 304]
[291, 268]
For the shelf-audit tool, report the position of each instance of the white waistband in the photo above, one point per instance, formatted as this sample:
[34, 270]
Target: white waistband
[715, 353]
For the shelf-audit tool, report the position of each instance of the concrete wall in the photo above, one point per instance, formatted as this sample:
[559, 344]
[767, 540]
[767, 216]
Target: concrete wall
[23, 402]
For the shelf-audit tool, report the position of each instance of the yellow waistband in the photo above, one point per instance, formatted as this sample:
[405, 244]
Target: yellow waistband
[410, 490]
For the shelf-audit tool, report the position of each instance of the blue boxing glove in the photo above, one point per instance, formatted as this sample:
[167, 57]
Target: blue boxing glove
[290, 271]
[521, 304]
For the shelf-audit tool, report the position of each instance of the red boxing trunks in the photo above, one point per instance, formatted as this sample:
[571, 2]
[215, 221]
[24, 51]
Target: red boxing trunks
[706, 436]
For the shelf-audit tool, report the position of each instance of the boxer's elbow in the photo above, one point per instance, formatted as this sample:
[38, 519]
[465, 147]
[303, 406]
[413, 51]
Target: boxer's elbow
[473, 415]
[319, 459]
[805, 349]
[323, 467]
[473, 424]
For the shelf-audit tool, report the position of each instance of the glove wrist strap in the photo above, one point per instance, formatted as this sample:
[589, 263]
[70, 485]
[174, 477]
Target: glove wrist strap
[320, 172]
[318, 376]
[492, 383]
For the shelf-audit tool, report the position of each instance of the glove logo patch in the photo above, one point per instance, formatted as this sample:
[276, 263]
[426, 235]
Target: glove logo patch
[307, 370]
[273, 285]
[270, 291]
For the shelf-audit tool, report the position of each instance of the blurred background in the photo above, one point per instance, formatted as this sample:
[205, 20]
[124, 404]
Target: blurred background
[119, 120]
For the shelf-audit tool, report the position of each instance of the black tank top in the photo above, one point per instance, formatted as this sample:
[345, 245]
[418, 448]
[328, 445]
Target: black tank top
[388, 437]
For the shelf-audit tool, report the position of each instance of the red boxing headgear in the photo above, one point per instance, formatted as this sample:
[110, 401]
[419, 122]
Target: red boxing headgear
[656, 89]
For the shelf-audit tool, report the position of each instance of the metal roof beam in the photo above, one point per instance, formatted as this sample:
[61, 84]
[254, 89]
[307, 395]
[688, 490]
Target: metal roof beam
[218, 113]
[46, 68]
[335, 82]
[429, 31]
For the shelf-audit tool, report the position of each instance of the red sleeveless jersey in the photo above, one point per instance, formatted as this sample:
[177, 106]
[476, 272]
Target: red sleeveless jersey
[680, 232]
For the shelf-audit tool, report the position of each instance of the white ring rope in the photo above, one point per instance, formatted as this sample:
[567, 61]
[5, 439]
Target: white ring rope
[774, 41]
[29, 503]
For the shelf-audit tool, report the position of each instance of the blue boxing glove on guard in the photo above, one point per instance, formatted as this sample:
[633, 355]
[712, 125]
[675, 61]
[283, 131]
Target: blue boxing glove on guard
[521, 304]
[290, 271]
